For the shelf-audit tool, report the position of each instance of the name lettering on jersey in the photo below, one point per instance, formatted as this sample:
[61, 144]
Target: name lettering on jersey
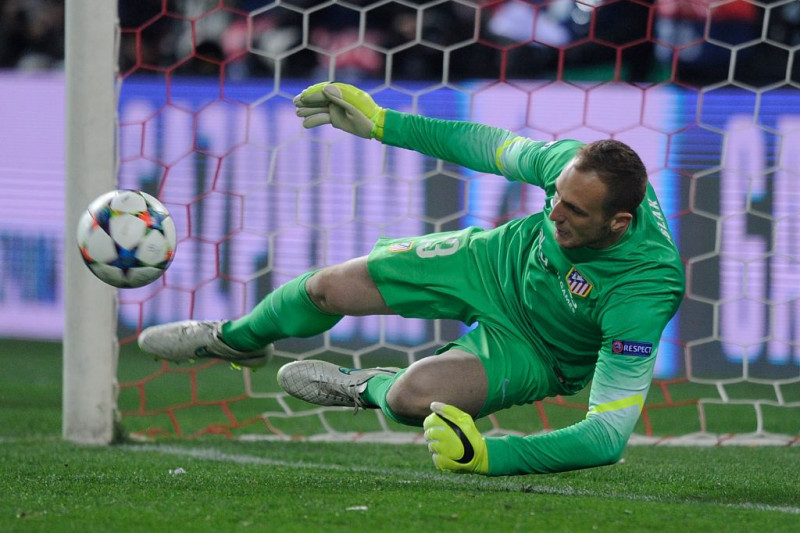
[401, 246]
[660, 222]
[537, 245]
[634, 348]
[578, 284]
[567, 296]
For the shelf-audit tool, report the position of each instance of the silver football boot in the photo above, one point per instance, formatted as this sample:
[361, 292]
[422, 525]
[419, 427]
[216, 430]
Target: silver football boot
[323, 383]
[197, 339]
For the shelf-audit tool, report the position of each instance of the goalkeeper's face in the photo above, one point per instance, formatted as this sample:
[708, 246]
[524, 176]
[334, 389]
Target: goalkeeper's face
[579, 215]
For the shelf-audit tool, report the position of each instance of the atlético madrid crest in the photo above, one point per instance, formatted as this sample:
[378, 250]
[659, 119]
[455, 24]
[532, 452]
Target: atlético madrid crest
[578, 284]
[401, 246]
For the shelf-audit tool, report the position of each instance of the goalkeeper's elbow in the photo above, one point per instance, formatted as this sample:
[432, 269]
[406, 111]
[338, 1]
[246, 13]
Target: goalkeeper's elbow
[610, 456]
[610, 452]
[593, 457]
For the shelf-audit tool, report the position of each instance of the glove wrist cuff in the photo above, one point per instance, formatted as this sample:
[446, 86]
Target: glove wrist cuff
[378, 120]
[483, 464]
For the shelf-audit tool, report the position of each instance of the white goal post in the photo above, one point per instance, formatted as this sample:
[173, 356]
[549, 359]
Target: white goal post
[90, 307]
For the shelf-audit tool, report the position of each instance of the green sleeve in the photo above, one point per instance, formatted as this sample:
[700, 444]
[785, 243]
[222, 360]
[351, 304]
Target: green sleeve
[598, 440]
[585, 444]
[479, 147]
[621, 381]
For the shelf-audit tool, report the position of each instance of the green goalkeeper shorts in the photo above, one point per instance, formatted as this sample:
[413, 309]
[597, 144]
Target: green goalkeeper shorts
[473, 276]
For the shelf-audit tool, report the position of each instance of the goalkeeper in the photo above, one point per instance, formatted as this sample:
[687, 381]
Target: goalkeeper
[580, 291]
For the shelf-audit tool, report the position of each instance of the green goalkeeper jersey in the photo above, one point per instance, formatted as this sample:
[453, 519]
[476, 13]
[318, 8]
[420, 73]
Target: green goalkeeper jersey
[597, 314]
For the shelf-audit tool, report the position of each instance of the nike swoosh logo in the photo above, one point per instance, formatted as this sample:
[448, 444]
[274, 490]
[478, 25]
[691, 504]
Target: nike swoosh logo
[469, 451]
[203, 352]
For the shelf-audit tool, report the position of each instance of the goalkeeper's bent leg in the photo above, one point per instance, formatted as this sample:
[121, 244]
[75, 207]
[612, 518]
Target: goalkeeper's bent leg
[375, 394]
[455, 377]
[288, 311]
[308, 305]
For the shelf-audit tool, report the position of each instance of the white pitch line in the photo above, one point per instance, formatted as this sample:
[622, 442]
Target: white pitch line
[473, 481]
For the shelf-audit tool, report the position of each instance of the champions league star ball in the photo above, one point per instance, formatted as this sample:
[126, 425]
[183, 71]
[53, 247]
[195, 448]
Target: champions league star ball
[127, 238]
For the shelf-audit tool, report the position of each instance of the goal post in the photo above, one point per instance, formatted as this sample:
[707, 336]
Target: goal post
[90, 308]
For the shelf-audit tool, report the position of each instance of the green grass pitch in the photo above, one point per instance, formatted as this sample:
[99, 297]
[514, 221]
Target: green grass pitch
[218, 484]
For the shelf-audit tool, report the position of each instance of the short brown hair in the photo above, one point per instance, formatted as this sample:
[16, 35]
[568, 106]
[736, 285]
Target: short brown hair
[621, 171]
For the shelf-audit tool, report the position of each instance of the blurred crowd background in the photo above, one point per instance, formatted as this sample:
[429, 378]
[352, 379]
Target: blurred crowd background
[686, 41]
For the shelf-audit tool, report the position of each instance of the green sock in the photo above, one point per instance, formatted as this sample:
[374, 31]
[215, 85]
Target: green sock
[285, 312]
[375, 394]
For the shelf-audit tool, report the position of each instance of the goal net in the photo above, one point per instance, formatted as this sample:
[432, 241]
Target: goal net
[705, 91]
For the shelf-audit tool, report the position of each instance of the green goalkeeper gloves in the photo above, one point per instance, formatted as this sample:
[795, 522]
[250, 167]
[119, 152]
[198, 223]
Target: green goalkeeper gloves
[343, 106]
[454, 441]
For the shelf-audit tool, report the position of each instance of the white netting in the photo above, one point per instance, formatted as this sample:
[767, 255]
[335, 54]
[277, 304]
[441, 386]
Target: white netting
[706, 92]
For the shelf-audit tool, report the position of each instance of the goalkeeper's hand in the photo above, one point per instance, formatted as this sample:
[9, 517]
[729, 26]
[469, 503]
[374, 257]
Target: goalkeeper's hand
[454, 441]
[343, 106]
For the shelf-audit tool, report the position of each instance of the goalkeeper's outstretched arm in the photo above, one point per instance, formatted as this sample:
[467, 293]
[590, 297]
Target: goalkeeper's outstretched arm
[457, 446]
[618, 392]
[475, 146]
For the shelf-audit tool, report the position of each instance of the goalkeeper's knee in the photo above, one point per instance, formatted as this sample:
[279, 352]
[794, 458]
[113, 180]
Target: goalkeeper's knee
[408, 401]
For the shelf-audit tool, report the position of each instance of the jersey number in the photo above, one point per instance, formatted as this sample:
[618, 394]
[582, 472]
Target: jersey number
[438, 248]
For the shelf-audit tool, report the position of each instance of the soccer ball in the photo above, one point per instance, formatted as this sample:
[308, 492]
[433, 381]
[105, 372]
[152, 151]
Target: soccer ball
[127, 238]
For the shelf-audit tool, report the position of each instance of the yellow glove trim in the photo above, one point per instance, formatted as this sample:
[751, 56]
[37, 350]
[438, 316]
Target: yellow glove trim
[379, 119]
